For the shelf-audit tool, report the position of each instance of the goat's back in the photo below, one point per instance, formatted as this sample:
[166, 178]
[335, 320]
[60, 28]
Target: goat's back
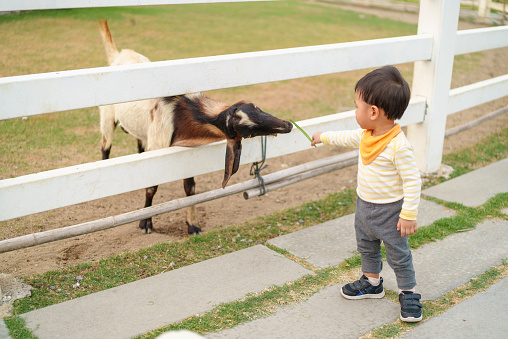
[128, 57]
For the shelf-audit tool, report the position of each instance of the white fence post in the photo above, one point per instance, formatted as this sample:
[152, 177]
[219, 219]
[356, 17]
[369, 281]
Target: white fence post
[483, 9]
[432, 79]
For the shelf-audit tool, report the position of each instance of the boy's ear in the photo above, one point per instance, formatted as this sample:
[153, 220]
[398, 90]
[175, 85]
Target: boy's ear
[375, 112]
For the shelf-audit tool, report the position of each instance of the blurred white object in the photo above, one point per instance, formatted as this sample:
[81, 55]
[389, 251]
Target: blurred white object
[182, 334]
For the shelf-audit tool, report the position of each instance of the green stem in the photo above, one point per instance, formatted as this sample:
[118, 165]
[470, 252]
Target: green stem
[301, 130]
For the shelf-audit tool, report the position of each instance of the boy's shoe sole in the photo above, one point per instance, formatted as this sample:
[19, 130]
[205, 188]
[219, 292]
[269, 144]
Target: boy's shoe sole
[363, 296]
[411, 319]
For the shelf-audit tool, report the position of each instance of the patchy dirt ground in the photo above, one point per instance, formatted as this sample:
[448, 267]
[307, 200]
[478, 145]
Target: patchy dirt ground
[226, 211]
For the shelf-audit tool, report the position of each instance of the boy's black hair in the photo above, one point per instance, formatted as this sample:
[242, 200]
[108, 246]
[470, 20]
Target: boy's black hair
[385, 88]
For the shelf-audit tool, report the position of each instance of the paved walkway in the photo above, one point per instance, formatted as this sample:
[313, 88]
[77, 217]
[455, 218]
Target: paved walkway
[147, 304]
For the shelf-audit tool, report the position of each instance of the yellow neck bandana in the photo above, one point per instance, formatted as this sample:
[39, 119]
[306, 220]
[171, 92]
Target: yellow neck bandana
[371, 147]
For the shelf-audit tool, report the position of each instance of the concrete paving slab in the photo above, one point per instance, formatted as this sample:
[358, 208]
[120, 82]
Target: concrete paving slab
[323, 245]
[429, 211]
[329, 243]
[324, 315]
[4, 331]
[148, 304]
[444, 265]
[473, 188]
[482, 316]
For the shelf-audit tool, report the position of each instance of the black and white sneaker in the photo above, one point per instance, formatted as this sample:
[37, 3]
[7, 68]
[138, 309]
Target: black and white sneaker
[410, 307]
[363, 289]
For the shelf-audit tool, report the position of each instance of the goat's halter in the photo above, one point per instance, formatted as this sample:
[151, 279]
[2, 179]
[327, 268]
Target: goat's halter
[257, 167]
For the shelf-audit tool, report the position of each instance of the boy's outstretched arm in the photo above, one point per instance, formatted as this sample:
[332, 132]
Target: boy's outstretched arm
[316, 139]
[407, 227]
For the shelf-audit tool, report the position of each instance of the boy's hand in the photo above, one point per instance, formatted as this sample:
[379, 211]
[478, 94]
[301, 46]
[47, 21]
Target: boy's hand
[316, 138]
[407, 227]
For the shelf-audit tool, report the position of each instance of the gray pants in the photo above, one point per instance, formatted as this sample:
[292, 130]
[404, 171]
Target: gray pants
[378, 222]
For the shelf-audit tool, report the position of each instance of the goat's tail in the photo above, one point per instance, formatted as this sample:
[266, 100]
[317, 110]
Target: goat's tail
[109, 44]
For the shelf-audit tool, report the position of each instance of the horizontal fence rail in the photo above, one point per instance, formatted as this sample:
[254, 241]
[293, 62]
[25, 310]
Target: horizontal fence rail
[476, 122]
[60, 91]
[481, 39]
[26, 5]
[71, 185]
[478, 93]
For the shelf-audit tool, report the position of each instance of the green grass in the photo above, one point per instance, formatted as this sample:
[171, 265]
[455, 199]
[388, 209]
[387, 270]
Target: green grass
[17, 329]
[494, 148]
[182, 31]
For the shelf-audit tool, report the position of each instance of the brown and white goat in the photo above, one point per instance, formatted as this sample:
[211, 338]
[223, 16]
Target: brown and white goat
[184, 120]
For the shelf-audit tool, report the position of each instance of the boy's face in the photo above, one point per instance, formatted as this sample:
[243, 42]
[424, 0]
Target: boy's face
[363, 112]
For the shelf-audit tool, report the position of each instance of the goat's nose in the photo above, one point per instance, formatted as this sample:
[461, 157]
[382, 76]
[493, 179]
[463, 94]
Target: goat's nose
[289, 126]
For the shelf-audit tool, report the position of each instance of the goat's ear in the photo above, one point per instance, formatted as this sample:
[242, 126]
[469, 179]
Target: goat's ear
[235, 106]
[233, 152]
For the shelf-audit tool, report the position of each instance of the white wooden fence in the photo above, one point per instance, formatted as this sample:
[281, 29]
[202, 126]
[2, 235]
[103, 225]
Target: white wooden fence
[485, 6]
[481, 10]
[432, 50]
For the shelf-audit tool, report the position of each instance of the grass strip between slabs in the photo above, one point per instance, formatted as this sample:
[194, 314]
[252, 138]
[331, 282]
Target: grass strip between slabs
[433, 308]
[263, 304]
[253, 306]
[17, 329]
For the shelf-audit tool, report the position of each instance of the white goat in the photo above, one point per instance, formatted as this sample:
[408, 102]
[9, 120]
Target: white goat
[185, 120]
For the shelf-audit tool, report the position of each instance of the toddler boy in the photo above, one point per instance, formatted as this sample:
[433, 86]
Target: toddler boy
[388, 188]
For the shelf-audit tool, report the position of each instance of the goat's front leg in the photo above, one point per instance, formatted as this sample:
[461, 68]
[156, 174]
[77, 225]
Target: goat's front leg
[146, 224]
[106, 147]
[141, 148]
[105, 153]
[108, 126]
[192, 217]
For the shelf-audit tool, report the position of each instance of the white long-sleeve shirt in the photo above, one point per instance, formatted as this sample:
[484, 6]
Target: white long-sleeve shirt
[390, 177]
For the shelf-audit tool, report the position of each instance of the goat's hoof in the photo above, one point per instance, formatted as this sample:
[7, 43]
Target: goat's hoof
[146, 226]
[194, 230]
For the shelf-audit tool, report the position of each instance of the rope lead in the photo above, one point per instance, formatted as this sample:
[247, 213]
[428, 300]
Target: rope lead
[257, 167]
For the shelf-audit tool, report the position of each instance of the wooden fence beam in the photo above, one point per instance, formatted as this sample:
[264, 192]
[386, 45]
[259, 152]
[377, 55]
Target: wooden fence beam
[27, 5]
[476, 122]
[478, 93]
[481, 39]
[27, 95]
